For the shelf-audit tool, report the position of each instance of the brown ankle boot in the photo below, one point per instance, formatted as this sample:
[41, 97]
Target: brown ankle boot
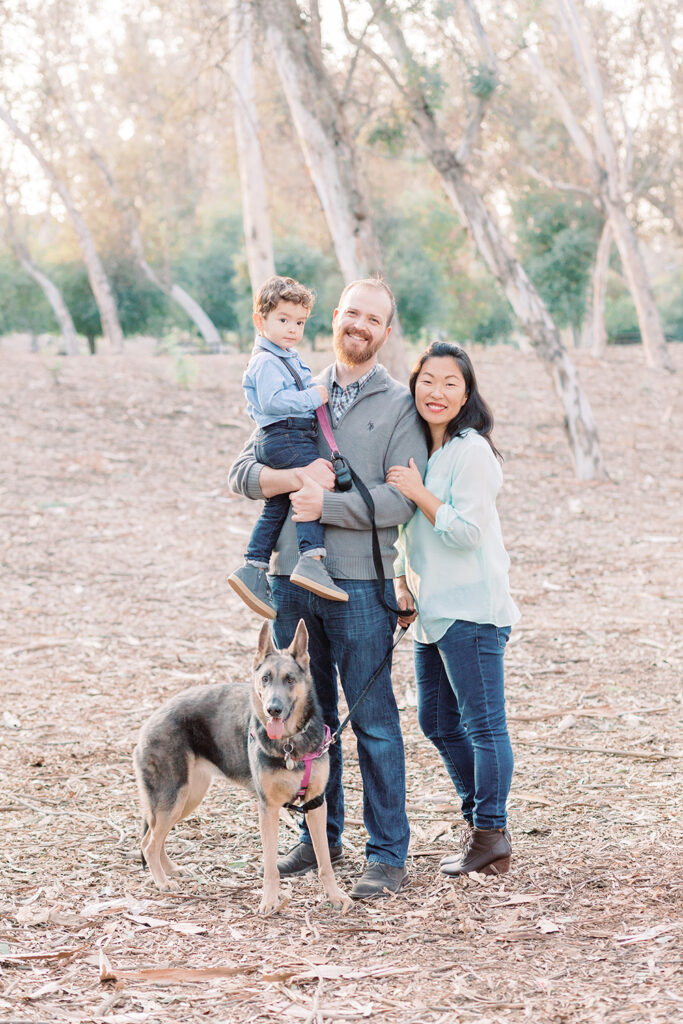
[489, 851]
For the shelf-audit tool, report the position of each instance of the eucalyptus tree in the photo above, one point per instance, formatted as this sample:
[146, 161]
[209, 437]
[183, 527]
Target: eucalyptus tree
[609, 163]
[328, 145]
[47, 285]
[414, 83]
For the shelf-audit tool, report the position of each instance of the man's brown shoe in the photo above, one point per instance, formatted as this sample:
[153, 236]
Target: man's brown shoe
[379, 880]
[488, 851]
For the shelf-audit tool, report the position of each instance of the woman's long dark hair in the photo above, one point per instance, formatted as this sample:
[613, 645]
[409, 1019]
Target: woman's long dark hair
[475, 413]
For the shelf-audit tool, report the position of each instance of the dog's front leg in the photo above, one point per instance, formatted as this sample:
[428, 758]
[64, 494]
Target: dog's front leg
[317, 826]
[268, 819]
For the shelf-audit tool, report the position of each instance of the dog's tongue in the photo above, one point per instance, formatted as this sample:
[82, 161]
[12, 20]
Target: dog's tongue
[275, 727]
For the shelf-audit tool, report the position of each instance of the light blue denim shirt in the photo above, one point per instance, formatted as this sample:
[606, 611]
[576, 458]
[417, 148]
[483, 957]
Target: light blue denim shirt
[271, 392]
[458, 568]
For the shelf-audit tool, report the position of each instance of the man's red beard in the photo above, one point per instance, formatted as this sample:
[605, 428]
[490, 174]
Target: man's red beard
[354, 358]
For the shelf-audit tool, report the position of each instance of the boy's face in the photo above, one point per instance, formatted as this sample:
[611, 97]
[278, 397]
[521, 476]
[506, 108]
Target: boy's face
[284, 325]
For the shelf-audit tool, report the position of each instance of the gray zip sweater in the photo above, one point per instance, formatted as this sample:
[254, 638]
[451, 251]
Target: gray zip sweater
[380, 429]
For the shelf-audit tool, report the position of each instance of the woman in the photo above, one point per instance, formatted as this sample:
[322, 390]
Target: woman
[453, 563]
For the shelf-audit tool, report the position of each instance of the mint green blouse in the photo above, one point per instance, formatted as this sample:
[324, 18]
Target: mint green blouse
[458, 568]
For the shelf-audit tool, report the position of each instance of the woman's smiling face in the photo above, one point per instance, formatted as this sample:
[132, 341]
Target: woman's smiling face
[440, 391]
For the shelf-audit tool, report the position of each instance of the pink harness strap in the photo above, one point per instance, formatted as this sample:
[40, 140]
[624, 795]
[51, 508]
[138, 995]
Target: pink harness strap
[308, 760]
[323, 420]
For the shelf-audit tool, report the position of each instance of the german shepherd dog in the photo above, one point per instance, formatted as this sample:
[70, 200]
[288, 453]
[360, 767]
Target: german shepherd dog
[253, 735]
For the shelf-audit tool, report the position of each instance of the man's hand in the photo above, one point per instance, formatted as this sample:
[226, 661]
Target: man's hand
[405, 602]
[321, 471]
[307, 502]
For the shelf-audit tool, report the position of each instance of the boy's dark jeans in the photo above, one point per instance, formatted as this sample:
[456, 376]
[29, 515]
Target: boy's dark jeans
[284, 445]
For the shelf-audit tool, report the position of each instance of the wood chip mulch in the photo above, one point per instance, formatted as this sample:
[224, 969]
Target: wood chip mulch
[117, 530]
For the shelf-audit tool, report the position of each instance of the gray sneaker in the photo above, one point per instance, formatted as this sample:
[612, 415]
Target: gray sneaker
[251, 584]
[311, 574]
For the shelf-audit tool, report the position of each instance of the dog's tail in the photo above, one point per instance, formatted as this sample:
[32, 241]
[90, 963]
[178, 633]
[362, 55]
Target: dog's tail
[145, 830]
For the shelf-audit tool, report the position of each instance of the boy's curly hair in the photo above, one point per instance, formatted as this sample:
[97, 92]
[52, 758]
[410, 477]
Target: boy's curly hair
[282, 289]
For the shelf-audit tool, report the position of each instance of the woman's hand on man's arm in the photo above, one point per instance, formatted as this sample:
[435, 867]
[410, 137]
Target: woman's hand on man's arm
[408, 480]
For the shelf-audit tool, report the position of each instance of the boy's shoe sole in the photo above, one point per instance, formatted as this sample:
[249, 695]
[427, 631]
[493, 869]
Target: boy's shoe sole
[318, 588]
[250, 599]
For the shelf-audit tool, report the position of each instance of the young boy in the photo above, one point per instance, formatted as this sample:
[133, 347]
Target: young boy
[286, 438]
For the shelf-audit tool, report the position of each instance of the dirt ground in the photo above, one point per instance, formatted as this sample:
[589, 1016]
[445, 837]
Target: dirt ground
[116, 532]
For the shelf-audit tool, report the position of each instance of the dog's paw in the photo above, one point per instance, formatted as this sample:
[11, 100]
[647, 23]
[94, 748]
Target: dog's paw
[340, 901]
[166, 884]
[268, 906]
[270, 899]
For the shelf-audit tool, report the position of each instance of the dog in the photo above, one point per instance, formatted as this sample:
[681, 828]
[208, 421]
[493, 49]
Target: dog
[254, 735]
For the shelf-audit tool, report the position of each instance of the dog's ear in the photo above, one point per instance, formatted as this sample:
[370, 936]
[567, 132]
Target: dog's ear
[265, 644]
[299, 645]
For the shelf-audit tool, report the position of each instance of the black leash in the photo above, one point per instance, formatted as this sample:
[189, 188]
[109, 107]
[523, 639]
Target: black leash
[366, 689]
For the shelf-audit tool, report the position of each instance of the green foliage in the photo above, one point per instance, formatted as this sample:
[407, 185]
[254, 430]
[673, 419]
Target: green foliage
[558, 240]
[672, 305]
[316, 269]
[143, 308]
[72, 279]
[23, 306]
[437, 291]
[389, 134]
[483, 83]
[430, 81]
[207, 271]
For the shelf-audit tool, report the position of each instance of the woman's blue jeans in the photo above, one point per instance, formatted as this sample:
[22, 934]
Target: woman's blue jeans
[461, 709]
[285, 445]
[352, 639]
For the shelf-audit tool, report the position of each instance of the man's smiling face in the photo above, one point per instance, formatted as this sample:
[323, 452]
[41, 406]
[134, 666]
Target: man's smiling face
[361, 324]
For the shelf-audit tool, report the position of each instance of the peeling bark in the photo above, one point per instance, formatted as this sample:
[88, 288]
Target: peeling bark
[257, 234]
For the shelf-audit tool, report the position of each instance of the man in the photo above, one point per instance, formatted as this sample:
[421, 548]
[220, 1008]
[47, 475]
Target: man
[375, 426]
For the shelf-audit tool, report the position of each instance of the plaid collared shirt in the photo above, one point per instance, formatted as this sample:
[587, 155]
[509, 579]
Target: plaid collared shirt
[342, 398]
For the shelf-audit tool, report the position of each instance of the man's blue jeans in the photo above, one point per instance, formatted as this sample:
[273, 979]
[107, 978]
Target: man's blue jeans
[284, 445]
[461, 709]
[353, 638]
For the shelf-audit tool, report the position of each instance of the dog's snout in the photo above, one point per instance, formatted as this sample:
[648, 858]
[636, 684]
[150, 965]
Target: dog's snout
[275, 707]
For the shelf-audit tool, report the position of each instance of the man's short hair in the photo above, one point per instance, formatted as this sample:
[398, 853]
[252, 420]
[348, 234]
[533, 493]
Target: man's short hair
[276, 289]
[373, 282]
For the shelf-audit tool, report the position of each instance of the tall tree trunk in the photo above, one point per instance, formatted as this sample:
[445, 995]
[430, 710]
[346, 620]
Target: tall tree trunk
[54, 297]
[600, 271]
[175, 292]
[257, 234]
[97, 276]
[501, 260]
[329, 152]
[611, 188]
[654, 342]
[49, 288]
